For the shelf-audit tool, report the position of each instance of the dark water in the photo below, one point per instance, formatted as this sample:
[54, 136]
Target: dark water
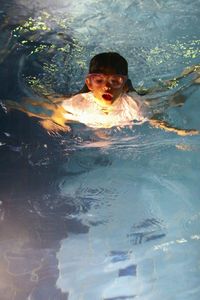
[44, 49]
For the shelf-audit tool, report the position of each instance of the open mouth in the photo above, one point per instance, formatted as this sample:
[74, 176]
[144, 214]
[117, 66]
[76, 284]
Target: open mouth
[107, 96]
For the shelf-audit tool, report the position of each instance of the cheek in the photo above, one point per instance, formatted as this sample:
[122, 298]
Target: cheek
[97, 90]
[89, 85]
[118, 91]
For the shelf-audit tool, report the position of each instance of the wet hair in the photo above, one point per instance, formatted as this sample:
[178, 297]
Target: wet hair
[109, 60]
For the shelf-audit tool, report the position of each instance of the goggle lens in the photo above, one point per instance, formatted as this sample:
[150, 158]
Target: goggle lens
[116, 81]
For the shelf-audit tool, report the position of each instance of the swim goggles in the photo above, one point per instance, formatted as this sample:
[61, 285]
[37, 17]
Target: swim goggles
[99, 79]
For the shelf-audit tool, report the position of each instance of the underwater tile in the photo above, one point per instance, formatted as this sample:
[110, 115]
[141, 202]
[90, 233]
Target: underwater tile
[128, 271]
[121, 298]
[155, 237]
[119, 256]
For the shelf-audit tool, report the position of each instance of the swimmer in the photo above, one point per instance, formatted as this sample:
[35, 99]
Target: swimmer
[107, 99]
[104, 101]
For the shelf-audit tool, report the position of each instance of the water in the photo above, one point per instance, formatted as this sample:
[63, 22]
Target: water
[141, 213]
[84, 217]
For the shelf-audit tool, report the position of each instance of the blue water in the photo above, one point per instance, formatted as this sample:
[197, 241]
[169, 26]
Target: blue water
[88, 217]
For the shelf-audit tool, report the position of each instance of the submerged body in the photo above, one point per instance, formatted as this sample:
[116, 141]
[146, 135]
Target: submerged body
[84, 108]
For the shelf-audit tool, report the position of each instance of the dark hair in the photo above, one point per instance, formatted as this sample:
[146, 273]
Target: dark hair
[108, 60]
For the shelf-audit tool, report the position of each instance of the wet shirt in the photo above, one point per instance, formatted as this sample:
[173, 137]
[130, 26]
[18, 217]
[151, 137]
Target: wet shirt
[126, 110]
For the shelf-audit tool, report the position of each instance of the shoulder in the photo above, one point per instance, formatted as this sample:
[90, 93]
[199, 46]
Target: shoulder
[76, 101]
[142, 105]
[132, 99]
[73, 98]
[135, 97]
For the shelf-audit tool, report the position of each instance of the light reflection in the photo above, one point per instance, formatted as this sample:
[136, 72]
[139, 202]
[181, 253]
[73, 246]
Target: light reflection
[165, 246]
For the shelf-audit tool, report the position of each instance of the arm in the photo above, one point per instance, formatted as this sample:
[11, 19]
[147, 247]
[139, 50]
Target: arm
[56, 122]
[53, 121]
[167, 127]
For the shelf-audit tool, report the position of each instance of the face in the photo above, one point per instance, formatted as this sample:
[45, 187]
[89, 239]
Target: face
[106, 86]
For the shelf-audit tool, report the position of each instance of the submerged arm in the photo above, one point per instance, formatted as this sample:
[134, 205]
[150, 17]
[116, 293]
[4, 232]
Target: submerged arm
[167, 127]
[53, 121]
[56, 122]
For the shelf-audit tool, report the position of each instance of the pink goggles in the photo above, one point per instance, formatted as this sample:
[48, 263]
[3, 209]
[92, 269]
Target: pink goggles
[99, 79]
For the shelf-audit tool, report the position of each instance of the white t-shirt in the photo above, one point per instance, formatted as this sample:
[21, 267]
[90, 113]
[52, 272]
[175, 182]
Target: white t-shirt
[126, 110]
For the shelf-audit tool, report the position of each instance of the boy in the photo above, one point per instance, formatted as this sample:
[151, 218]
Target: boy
[107, 99]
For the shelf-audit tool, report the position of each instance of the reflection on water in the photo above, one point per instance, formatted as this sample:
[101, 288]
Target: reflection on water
[33, 215]
[83, 217]
[139, 214]
[97, 221]
[58, 39]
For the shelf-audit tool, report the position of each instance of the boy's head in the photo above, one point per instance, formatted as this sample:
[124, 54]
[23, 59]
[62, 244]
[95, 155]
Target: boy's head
[109, 60]
[107, 77]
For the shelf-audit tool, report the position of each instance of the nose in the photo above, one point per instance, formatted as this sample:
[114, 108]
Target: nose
[107, 86]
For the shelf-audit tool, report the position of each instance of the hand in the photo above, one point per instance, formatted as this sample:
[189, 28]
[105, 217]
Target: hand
[185, 132]
[53, 128]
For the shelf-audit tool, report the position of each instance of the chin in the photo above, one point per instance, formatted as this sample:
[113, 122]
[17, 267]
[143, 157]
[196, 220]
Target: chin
[108, 102]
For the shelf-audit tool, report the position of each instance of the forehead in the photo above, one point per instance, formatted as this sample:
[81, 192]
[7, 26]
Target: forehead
[107, 71]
